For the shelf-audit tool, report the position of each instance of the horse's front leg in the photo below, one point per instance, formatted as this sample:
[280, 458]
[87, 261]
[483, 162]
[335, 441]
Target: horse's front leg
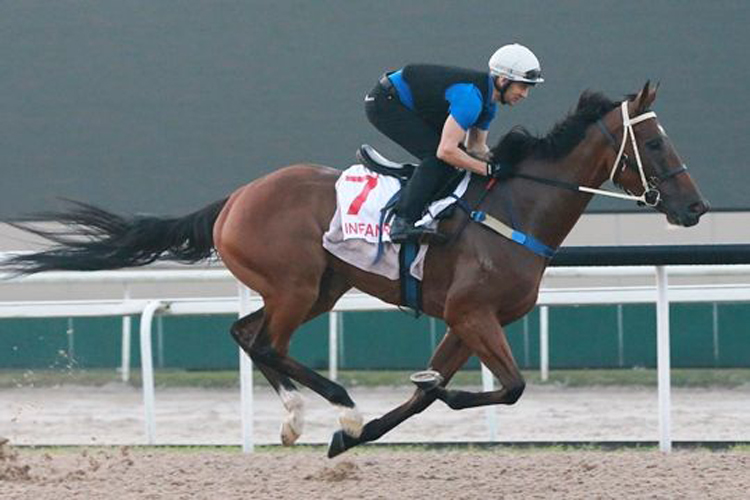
[483, 334]
[449, 357]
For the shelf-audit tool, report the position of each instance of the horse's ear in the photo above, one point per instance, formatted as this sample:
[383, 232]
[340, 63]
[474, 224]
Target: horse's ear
[646, 97]
[654, 91]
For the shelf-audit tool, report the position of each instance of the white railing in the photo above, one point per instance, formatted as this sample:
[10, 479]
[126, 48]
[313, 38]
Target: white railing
[659, 293]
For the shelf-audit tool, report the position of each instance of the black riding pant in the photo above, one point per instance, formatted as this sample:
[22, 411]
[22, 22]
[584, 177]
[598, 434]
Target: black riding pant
[404, 127]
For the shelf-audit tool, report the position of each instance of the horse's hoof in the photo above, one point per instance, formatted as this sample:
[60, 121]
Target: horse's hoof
[291, 430]
[351, 421]
[427, 379]
[294, 424]
[340, 442]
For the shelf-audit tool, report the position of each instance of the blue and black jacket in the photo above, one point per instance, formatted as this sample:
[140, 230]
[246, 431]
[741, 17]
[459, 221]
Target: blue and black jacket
[435, 92]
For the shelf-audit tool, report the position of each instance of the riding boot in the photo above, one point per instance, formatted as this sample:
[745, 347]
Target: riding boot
[428, 178]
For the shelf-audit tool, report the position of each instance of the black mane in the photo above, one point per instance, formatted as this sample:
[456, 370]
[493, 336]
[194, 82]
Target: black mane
[519, 143]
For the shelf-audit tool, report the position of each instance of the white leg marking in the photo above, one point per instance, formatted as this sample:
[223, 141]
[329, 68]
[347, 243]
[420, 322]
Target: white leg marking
[351, 420]
[294, 423]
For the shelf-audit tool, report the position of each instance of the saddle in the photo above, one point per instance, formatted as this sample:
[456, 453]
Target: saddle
[370, 158]
[411, 288]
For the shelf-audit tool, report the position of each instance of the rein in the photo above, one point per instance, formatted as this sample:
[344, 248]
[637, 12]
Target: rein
[651, 196]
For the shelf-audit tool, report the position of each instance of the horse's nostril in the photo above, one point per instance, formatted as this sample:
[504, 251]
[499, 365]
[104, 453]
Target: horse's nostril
[699, 207]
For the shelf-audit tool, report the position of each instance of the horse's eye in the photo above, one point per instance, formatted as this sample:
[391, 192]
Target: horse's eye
[655, 144]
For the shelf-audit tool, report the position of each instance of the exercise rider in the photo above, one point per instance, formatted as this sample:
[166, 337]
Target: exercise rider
[432, 110]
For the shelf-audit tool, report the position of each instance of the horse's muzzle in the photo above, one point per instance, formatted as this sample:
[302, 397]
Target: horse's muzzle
[691, 216]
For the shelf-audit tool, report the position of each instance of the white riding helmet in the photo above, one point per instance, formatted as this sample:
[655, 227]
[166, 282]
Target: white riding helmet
[516, 63]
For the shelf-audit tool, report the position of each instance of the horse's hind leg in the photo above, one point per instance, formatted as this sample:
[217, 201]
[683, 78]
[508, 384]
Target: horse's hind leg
[270, 348]
[449, 357]
[245, 331]
[332, 287]
[269, 236]
[285, 310]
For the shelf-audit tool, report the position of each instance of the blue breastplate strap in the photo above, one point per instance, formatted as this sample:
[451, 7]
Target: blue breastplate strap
[526, 240]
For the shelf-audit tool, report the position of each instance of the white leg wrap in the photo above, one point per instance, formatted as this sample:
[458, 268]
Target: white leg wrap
[351, 420]
[294, 423]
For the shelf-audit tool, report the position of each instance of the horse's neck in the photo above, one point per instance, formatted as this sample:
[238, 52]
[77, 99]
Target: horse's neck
[550, 213]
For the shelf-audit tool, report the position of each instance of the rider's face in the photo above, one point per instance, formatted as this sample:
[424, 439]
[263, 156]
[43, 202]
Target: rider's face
[517, 91]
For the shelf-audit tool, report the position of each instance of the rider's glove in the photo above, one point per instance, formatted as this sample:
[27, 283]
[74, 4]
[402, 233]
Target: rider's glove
[498, 170]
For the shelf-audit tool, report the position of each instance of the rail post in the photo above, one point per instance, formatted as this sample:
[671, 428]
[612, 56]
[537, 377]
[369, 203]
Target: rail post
[488, 384]
[246, 379]
[126, 333]
[147, 366]
[663, 361]
[333, 345]
[544, 342]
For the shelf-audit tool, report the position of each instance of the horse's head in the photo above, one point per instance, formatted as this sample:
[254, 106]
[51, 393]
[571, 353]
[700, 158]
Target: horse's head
[646, 163]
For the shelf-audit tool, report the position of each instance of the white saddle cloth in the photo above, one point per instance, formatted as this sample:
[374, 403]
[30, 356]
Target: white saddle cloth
[354, 231]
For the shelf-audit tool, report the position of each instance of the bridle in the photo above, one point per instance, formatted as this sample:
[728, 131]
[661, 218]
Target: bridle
[651, 195]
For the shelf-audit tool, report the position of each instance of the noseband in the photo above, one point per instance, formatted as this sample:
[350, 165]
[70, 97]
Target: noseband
[651, 195]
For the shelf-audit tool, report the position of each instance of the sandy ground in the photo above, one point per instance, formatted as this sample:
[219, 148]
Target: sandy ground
[372, 474]
[114, 415]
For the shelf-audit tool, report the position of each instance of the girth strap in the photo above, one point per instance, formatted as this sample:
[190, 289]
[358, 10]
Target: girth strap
[411, 287]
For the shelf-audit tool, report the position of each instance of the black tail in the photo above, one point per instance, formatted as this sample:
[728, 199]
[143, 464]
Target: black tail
[93, 239]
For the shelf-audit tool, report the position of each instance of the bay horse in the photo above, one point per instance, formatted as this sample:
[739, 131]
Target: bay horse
[269, 235]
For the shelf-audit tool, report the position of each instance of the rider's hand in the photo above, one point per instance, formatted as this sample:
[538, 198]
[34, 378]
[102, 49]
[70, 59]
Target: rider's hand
[498, 170]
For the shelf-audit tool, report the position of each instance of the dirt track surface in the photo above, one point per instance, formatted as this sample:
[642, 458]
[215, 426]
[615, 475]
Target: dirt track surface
[114, 415]
[125, 473]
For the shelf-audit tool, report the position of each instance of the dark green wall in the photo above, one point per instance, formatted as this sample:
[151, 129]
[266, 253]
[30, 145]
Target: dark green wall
[580, 337]
[156, 106]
